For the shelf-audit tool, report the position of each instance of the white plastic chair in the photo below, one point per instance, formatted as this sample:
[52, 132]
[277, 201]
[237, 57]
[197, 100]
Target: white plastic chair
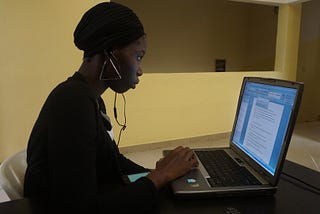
[12, 171]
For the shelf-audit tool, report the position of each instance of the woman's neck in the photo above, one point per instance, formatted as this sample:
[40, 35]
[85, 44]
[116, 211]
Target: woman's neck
[90, 69]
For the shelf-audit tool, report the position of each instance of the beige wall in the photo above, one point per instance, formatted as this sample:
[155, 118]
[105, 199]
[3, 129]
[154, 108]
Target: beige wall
[260, 54]
[37, 53]
[309, 60]
[189, 35]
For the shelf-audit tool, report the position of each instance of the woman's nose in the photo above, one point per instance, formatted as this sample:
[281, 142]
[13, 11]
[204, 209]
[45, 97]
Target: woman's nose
[139, 72]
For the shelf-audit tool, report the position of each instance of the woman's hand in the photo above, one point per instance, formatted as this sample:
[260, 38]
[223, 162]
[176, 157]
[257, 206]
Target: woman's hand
[175, 164]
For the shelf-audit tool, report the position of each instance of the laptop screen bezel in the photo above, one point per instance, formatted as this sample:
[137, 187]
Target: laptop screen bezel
[272, 179]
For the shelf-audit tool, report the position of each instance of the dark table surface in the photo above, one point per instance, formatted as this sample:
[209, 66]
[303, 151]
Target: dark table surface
[300, 194]
[295, 194]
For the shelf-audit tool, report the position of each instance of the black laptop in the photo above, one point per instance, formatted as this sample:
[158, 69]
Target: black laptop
[263, 125]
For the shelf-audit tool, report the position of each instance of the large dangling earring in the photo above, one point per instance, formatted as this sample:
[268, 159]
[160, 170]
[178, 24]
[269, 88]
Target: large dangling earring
[102, 75]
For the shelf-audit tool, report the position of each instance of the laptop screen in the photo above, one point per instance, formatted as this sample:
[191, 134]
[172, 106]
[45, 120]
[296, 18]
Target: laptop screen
[262, 122]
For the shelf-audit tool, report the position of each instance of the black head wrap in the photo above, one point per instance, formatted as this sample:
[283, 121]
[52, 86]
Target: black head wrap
[106, 26]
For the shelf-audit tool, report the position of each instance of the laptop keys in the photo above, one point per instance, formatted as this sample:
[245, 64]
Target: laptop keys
[224, 171]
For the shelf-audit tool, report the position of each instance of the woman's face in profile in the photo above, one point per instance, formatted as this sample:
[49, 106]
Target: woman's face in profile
[129, 59]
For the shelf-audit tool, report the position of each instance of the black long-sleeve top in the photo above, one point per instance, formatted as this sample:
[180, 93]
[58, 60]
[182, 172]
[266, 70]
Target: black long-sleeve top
[74, 163]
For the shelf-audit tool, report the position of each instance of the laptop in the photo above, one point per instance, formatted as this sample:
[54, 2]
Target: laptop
[251, 165]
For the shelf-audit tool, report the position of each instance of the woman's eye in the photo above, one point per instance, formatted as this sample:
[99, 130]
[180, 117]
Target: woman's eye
[139, 58]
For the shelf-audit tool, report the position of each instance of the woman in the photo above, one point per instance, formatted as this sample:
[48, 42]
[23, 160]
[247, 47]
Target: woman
[73, 160]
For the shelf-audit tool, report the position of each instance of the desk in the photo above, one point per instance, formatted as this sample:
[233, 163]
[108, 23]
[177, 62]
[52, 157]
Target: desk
[292, 197]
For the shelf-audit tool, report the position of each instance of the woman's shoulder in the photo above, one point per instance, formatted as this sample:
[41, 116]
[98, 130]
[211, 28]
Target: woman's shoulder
[73, 90]
[75, 85]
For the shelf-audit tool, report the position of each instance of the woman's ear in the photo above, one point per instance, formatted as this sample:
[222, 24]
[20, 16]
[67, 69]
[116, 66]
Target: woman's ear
[111, 67]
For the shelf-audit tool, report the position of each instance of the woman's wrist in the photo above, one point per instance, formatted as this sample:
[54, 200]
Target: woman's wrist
[159, 179]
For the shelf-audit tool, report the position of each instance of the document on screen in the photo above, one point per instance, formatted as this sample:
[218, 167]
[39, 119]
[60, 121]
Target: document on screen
[264, 121]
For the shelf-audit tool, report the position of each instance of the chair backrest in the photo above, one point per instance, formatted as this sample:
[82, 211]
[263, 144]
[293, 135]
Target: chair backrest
[12, 171]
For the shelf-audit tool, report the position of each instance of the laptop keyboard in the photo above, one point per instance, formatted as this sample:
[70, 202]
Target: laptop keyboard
[224, 171]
